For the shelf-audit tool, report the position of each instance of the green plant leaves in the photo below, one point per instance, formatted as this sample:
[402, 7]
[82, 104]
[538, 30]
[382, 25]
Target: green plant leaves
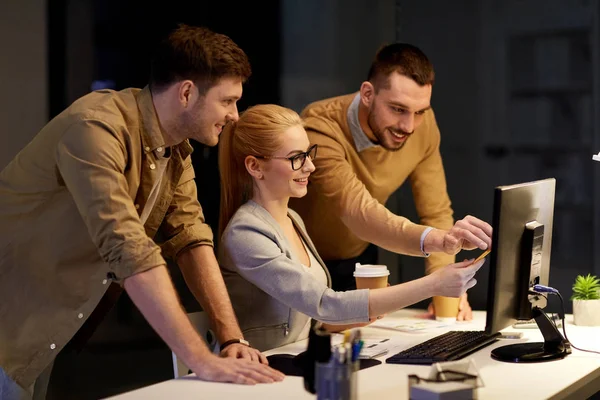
[586, 288]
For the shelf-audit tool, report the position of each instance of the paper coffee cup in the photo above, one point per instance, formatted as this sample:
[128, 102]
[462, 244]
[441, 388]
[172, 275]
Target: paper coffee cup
[446, 308]
[371, 276]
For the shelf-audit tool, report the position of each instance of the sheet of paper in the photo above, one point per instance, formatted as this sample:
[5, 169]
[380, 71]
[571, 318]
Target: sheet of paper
[372, 347]
[409, 325]
[375, 348]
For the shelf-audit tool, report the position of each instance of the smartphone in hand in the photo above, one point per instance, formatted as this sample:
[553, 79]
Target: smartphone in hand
[482, 256]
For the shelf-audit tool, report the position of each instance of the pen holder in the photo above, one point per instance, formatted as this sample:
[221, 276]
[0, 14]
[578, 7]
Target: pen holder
[335, 381]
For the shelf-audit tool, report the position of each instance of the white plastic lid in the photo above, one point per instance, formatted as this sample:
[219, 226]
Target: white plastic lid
[370, 271]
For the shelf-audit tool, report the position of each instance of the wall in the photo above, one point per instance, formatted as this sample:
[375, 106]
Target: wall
[23, 94]
[514, 103]
[327, 46]
[448, 33]
[328, 53]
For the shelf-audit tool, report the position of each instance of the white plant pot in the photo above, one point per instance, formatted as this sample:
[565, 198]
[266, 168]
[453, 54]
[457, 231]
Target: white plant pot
[586, 312]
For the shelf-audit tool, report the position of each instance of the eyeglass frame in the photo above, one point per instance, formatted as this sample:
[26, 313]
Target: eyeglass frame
[444, 376]
[304, 154]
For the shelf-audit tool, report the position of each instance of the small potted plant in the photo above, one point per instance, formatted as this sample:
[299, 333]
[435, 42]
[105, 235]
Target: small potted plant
[586, 300]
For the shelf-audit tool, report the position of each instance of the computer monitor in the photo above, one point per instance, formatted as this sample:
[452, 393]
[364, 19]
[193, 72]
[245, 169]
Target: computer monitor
[520, 258]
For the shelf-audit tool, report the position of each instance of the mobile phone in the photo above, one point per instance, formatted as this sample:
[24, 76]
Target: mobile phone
[482, 256]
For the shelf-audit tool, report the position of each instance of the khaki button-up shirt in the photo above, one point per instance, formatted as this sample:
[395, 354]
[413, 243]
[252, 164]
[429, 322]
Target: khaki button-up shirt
[69, 220]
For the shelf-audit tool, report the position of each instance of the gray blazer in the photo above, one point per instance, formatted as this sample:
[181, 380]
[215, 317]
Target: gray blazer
[272, 294]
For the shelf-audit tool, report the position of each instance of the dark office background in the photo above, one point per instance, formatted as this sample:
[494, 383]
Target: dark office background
[516, 99]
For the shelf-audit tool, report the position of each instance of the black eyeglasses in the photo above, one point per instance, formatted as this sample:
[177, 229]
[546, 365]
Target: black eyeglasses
[297, 160]
[445, 376]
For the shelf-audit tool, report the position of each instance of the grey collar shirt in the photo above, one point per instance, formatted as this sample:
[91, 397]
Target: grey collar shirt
[361, 140]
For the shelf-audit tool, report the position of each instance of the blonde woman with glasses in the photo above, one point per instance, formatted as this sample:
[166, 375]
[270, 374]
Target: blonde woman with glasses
[277, 282]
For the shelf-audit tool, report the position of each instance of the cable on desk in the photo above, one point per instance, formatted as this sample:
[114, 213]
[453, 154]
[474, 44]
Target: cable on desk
[562, 304]
[547, 289]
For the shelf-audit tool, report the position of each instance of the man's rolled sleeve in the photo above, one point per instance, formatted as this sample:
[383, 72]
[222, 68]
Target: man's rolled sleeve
[91, 159]
[184, 226]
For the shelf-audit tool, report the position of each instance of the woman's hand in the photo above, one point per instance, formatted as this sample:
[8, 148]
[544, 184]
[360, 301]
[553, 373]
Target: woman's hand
[454, 280]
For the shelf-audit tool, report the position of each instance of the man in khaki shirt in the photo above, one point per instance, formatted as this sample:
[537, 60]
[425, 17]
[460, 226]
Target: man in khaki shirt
[370, 143]
[84, 204]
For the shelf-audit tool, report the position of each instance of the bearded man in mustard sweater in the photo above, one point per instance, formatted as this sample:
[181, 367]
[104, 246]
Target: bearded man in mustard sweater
[370, 143]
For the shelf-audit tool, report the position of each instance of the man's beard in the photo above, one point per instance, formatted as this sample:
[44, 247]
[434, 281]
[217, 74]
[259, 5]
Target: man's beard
[380, 133]
[190, 125]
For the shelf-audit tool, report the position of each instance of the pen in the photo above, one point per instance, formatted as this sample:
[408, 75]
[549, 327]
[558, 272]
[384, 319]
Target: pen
[341, 355]
[356, 348]
[349, 354]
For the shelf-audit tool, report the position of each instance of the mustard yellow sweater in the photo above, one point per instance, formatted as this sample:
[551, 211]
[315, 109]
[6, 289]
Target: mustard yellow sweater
[344, 208]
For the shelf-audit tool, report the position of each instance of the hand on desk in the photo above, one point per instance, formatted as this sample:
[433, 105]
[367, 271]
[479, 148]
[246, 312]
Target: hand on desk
[465, 312]
[238, 350]
[235, 370]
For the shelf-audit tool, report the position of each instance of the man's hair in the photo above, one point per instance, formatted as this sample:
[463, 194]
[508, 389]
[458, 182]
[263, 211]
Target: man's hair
[197, 54]
[404, 59]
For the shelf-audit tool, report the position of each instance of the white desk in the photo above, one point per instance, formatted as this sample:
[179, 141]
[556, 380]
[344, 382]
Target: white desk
[577, 376]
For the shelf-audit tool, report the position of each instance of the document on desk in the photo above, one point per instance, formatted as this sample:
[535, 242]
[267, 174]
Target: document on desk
[372, 348]
[410, 325]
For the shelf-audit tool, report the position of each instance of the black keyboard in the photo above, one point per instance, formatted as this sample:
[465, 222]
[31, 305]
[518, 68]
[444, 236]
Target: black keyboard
[450, 346]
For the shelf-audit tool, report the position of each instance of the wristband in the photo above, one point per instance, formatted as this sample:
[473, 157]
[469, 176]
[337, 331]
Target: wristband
[422, 242]
[233, 341]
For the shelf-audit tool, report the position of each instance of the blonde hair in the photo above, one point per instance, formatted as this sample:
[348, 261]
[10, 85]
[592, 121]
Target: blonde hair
[257, 133]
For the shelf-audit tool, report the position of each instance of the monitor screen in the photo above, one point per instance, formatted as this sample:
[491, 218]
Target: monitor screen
[520, 257]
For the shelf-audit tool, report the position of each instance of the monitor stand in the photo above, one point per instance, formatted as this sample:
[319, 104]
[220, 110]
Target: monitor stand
[554, 345]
